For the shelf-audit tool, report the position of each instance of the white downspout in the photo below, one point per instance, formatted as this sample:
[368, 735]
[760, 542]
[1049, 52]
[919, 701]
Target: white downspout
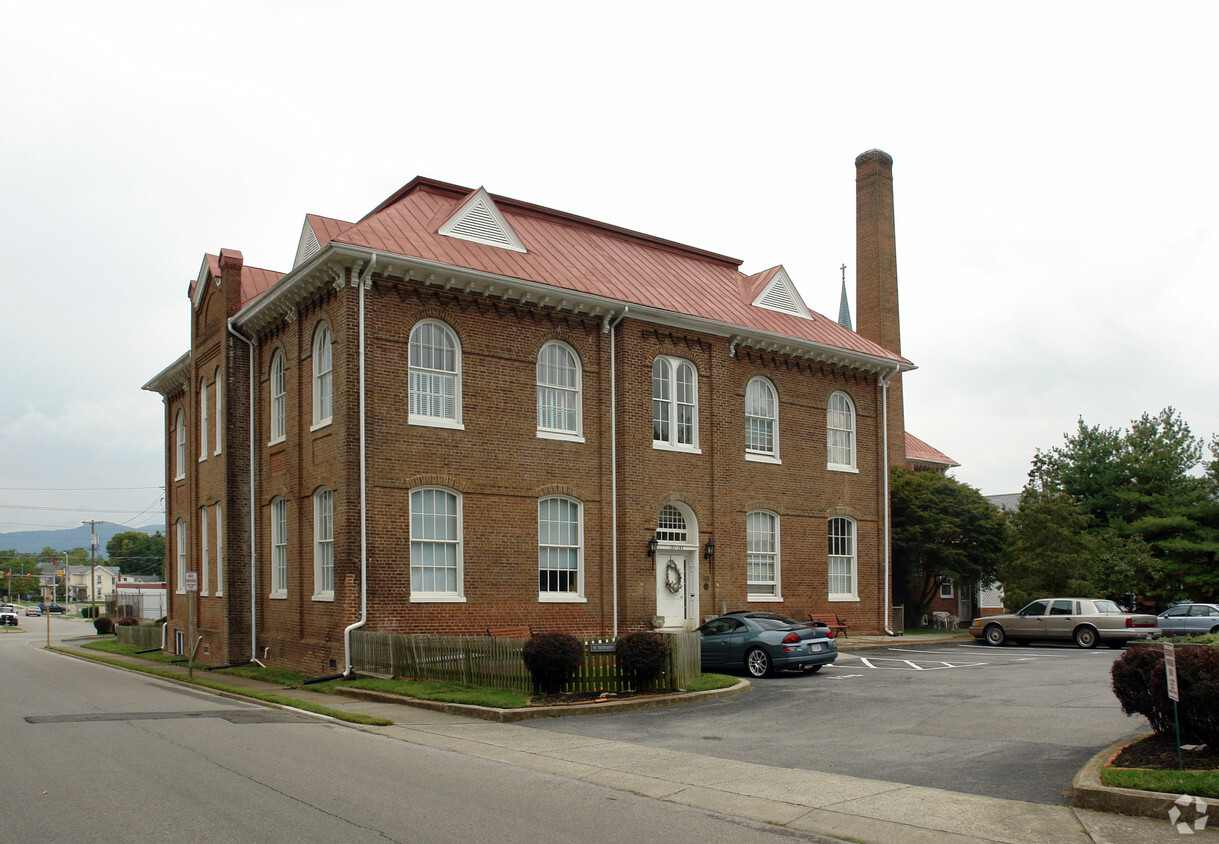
[363, 283]
[253, 508]
[884, 427]
[609, 329]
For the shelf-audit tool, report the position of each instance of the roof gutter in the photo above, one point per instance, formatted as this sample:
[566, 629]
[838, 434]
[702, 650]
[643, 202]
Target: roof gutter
[253, 508]
[363, 283]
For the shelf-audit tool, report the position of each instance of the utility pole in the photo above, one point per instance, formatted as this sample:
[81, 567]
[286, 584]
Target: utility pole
[92, 562]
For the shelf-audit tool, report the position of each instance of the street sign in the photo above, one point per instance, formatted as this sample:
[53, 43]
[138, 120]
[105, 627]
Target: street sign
[1170, 669]
[192, 581]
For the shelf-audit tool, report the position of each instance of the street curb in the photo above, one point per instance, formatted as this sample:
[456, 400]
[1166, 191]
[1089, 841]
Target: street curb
[1087, 791]
[509, 716]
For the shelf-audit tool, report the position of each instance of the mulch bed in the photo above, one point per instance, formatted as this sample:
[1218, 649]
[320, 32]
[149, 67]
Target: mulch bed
[587, 697]
[1160, 753]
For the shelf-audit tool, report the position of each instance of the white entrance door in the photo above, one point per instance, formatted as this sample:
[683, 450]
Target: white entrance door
[677, 588]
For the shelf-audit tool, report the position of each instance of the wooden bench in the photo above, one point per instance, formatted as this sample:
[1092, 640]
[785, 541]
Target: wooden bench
[837, 624]
[520, 631]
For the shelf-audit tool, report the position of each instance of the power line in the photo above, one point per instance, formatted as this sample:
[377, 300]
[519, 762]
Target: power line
[69, 509]
[72, 488]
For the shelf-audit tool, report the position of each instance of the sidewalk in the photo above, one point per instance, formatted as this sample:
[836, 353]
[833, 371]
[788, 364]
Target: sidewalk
[853, 808]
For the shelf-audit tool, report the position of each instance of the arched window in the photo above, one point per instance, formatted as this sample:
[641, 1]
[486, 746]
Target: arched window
[560, 548]
[279, 548]
[671, 526]
[219, 407]
[435, 375]
[843, 584]
[180, 550]
[323, 385]
[279, 400]
[840, 433]
[674, 404]
[559, 385]
[323, 545]
[761, 419]
[762, 555]
[203, 419]
[180, 432]
[436, 552]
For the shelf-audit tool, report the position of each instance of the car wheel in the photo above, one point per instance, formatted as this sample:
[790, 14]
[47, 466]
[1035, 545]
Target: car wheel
[995, 635]
[812, 669]
[1215, 630]
[1085, 637]
[757, 663]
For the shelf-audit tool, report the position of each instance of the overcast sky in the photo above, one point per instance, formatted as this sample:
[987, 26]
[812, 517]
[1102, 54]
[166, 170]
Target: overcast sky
[1053, 172]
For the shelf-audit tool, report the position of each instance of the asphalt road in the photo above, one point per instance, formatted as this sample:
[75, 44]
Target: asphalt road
[1013, 722]
[94, 754]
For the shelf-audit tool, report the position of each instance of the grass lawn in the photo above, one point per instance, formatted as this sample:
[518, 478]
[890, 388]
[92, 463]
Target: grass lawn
[1197, 783]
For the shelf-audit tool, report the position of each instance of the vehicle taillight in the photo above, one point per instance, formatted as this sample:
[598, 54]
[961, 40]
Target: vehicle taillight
[1129, 621]
[791, 638]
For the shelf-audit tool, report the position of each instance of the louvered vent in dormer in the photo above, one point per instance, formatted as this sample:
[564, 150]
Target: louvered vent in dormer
[307, 247]
[780, 295]
[479, 221]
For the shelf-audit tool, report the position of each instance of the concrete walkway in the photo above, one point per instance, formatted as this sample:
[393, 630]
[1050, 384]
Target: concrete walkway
[851, 808]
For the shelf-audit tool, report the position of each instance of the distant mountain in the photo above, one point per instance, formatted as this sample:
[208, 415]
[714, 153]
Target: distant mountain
[33, 541]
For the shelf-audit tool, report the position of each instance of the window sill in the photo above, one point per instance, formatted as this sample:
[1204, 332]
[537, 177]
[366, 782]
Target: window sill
[764, 598]
[755, 457]
[179, 478]
[278, 596]
[560, 436]
[854, 598]
[324, 596]
[560, 598]
[437, 598]
[837, 467]
[685, 449]
[317, 426]
[277, 441]
[202, 458]
[436, 422]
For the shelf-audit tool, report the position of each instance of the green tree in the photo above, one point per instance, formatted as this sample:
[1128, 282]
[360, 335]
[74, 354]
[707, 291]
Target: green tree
[136, 552]
[941, 528]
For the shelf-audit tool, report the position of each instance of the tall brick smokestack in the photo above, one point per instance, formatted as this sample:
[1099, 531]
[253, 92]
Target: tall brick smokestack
[876, 277]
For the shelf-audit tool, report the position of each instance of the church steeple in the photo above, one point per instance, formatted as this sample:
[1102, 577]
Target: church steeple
[844, 308]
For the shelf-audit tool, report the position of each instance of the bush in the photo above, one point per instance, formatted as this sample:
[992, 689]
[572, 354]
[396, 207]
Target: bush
[552, 659]
[641, 658]
[1141, 686]
[90, 612]
[127, 621]
[103, 625]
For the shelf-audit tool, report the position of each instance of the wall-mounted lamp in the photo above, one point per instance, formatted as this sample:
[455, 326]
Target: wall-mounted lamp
[709, 552]
[652, 547]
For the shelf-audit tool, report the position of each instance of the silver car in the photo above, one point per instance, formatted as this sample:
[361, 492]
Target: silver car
[1085, 621]
[1189, 620]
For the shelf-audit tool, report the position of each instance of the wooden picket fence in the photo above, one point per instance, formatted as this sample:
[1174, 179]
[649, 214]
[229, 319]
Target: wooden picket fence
[497, 664]
[139, 635]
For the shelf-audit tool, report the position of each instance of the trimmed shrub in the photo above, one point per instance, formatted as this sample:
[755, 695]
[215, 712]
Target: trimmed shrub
[552, 659]
[641, 658]
[127, 621]
[90, 612]
[1141, 686]
[103, 625]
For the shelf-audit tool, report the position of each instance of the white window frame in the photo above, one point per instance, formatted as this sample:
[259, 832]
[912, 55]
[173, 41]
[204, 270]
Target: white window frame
[840, 433]
[203, 430]
[219, 408]
[180, 569]
[668, 405]
[946, 590]
[843, 553]
[323, 544]
[180, 430]
[424, 541]
[557, 399]
[762, 549]
[219, 552]
[758, 416]
[279, 399]
[279, 548]
[204, 580]
[448, 380]
[552, 545]
[323, 376]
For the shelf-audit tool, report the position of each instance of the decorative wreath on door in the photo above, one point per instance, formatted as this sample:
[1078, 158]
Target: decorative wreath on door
[673, 577]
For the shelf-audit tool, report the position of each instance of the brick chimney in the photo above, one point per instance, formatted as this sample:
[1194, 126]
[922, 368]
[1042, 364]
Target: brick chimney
[231, 263]
[876, 304]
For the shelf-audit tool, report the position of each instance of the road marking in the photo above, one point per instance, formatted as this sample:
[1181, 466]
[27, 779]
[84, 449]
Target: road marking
[910, 665]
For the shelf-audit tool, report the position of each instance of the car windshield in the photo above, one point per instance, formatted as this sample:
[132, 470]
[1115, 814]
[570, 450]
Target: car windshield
[774, 622]
[1107, 607]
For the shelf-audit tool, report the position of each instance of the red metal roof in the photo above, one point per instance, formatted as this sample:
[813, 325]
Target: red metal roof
[918, 450]
[254, 280]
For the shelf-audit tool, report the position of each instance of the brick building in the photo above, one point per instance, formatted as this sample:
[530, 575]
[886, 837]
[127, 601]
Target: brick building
[465, 411]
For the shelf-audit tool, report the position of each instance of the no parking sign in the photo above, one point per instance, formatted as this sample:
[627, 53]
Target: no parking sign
[1170, 670]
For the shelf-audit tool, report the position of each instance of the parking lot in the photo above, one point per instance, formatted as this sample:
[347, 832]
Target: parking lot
[1014, 722]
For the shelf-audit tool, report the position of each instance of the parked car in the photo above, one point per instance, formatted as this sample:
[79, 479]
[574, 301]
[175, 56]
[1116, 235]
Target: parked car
[1189, 620]
[53, 608]
[33, 612]
[764, 642]
[8, 615]
[1085, 621]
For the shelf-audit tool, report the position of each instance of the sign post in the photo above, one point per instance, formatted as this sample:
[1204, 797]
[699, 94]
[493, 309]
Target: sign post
[1170, 672]
[192, 588]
